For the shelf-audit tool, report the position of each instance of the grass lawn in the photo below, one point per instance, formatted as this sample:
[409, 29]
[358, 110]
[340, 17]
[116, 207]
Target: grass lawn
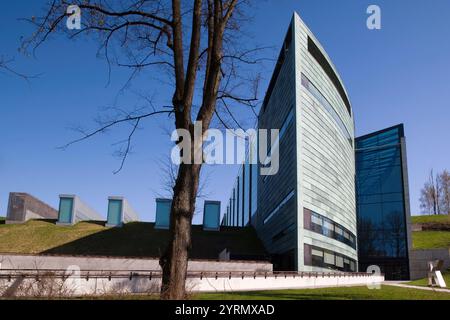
[431, 239]
[440, 218]
[38, 236]
[424, 282]
[134, 239]
[343, 293]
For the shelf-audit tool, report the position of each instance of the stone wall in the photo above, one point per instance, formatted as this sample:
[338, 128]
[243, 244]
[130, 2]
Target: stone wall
[36, 262]
[419, 261]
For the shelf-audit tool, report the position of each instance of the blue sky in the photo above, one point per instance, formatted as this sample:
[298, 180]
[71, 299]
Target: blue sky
[400, 73]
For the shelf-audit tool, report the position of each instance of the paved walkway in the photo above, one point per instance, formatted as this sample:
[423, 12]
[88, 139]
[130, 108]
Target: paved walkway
[404, 285]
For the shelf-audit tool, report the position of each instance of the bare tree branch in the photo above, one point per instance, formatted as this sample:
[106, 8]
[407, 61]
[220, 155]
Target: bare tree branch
[110, 124]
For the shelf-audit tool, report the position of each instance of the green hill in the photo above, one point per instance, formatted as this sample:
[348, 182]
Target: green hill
[440, 218]
[431, 239]
[137, 239]
[435, 232]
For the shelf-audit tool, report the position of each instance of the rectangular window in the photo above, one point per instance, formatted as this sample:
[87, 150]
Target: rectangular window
[114, 212]
[211, 215]
[316, 219]
[65, 210]
[163, 213]
[338, 230]
[329, 258]
[317, 253]
[339, 261]
[329, 225]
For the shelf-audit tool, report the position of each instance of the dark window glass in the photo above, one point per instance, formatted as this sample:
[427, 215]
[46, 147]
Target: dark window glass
[313, 221]
[323, 62]
[382, 238]
[323, 258]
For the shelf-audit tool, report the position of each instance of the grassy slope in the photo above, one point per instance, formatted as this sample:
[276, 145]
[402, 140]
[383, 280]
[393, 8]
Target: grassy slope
[137, 239]
[424, 282]
[431, 219]
[39, 236]
[431, 239]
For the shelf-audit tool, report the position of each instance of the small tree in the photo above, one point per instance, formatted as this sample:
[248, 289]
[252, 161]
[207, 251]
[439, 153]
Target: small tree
[429, 199]
[444, 192]
[198, 44]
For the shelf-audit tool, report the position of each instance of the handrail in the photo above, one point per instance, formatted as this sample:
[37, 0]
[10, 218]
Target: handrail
[88, 274]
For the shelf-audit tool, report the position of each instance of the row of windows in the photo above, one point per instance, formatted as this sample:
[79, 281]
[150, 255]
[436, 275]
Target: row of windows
[315, 222]
[279, 206]
[327, 105]
[323, 258]
[323, 62]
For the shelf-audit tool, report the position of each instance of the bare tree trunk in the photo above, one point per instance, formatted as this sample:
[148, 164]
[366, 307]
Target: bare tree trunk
[174, 261]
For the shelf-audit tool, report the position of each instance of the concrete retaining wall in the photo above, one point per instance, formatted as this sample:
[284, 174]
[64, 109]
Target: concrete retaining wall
[78, 286]
[106, 263]
[281, 282]
[419, 261]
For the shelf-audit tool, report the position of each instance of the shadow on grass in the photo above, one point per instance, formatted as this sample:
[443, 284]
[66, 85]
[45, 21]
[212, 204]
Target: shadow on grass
[141, 239]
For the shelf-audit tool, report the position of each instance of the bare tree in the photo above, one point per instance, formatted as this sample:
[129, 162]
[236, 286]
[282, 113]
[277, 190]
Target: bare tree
[444, 192]
[429, 199]
[198, 45]
[5, 68]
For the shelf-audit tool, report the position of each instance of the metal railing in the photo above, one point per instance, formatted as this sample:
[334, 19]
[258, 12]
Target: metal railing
[37, 274]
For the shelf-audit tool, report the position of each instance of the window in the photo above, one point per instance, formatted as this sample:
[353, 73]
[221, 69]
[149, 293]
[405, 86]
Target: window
[211, 215]
[323, 62]
[328, 258]
[316, 219]
[323, 258]
[339, 261]
[317, 253]
[338, 230]
[315, 222]
[329, 225]
[380, 197]
[163, 213]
